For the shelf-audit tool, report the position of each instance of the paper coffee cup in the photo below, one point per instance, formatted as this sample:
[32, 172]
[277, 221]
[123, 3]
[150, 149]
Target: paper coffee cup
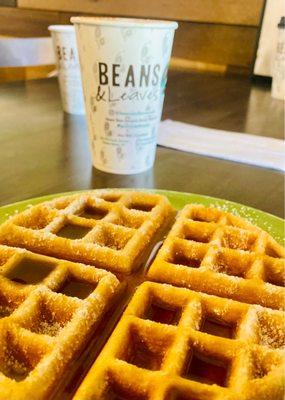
[69, 77]
[124, 66]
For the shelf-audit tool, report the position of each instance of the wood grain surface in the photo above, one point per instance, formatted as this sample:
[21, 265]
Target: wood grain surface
[215, 43]
[44, 151]
[241, 12]
[8, 3]
[9, 74]
[29, 23]
[201, 44]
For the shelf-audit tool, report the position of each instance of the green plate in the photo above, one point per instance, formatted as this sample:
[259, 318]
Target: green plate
[270, 223]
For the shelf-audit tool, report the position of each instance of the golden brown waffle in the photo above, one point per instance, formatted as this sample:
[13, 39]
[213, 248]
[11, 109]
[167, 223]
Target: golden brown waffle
[48, 309]
[110, 229]
[171, 343]
[212, 251]
[176, 344]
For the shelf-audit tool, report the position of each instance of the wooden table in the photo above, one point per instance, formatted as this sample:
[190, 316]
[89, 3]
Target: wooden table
[44, 151]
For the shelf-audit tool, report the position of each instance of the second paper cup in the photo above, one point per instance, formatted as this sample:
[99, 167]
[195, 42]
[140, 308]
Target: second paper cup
[124, 66]
[69, 77]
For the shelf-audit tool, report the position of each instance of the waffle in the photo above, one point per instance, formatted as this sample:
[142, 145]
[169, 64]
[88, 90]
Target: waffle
[171, 343]
[48, 309]
[110, 229]
[212, 251]
[176, 344]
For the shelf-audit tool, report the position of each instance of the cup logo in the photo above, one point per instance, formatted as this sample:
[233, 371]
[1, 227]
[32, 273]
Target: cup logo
[145, 79]
[65, 54]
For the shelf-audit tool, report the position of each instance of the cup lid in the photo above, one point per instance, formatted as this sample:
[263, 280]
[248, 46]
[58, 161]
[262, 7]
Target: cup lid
[61, 28]
[125, 22]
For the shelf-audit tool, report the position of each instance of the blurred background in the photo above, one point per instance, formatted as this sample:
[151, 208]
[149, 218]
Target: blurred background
[219, 78]
[220, 36]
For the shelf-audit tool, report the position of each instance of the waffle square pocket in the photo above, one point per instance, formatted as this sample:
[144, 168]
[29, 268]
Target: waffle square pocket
[49, 308]
[212, 349]
[108, 229]
[215, 252]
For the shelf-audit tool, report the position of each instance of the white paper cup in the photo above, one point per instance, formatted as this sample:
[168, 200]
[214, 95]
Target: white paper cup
[124, 66]
[69, 77]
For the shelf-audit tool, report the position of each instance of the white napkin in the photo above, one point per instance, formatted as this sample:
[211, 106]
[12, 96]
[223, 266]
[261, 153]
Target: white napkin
[250, 149]
[17, 52]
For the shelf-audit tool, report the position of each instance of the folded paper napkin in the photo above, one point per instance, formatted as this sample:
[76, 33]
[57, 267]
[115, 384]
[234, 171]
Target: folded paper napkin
[250, 149]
